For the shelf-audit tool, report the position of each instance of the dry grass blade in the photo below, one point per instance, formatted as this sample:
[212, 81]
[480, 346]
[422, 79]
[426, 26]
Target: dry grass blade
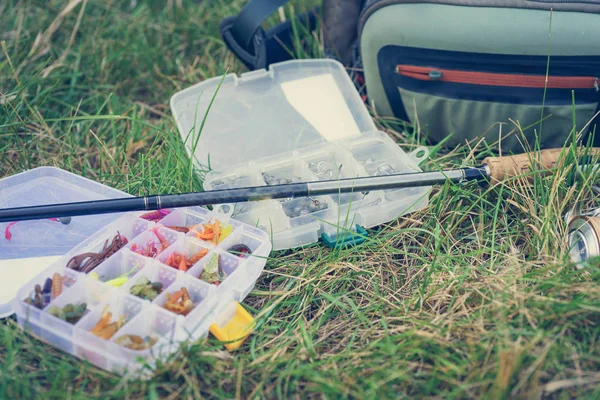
[567, 383]
[42, 41]
[64, 54]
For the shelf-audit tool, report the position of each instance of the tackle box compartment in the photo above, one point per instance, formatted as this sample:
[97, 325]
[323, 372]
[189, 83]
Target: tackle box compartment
[298, 121]
[150, 253]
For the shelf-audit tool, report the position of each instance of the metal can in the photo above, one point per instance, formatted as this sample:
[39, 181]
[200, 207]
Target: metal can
[584, 238]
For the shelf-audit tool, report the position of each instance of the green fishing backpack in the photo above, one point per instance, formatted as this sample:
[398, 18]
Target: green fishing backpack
[510, 72]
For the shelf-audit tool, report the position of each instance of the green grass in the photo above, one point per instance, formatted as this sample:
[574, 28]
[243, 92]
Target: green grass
[472, 297]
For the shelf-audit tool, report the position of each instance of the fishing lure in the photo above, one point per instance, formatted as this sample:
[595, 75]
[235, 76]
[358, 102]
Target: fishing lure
[147, 290]
[37, 299]
[164, 243]
[241, 250]
[197, 257]
[149, 251]
[8, 234]
[47, 286]
[152, 249]
[155, 216]
[56, 285]
[123, 278]
[225, 231]
[52, 288]
[179, 302]
[213, 233]
[104, 328]
[183, 229]
[181, 262]
[79, 263]
[103, 321]
[213, 272]
[135, 342]
[70, 313]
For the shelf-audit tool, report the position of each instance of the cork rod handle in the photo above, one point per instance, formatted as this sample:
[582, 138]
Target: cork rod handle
[507, 167]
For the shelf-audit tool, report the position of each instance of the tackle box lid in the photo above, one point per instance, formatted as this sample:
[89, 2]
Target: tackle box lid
[240, 129]
[229, 120]
[29, 247]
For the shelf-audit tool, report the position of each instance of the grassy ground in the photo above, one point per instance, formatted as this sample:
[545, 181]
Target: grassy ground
[472, 297]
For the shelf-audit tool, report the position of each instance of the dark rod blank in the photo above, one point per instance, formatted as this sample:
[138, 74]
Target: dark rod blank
[237, 195]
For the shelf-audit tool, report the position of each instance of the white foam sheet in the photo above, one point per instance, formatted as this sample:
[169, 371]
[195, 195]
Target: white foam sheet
[319, 100]
[17, 272]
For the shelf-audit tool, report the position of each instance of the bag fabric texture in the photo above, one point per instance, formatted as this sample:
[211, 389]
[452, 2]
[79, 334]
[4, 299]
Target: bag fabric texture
[460, 70]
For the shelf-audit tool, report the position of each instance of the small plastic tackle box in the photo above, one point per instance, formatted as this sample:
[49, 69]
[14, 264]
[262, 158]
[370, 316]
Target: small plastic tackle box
[131, 292]
[298, 121]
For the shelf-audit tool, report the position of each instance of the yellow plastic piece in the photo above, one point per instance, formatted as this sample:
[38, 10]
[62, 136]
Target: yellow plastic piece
[117, 282]
[236, 330]
[225, 231]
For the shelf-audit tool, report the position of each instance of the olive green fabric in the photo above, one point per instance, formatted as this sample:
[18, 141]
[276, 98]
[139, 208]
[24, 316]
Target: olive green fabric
[494, 30]
[462, 120]
[591, 6]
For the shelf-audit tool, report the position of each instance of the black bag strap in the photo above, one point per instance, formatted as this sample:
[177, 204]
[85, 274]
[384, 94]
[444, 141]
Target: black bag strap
[256, 48]
[249, 19]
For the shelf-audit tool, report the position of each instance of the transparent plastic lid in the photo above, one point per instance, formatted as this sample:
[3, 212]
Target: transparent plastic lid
[28, 247]
[262, 113]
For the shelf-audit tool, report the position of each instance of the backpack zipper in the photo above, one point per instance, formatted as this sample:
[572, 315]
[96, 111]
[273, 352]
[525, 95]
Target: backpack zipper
[498, 79]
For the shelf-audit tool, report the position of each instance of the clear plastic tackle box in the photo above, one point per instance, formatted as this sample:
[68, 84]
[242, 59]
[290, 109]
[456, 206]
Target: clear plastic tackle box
[129, 293]
[298, 121]
[28, 247]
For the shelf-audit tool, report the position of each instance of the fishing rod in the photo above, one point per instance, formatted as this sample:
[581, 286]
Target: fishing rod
[492, 170]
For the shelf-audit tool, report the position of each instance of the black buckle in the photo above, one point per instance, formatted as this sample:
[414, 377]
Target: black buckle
[251, 58]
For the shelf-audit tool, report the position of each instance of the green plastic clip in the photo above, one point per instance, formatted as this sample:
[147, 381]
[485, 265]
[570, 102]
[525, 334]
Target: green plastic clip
[350, 239]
